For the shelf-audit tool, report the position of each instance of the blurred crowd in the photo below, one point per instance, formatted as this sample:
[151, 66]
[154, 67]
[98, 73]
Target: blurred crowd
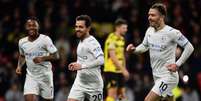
[57, 19]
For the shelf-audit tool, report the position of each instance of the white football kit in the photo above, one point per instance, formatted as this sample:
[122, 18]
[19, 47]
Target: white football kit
[88, 82]
[39, 77]
[162, 49]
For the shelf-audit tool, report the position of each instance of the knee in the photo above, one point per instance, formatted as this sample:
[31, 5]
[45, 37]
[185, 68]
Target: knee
[112, 92]
[30, 97]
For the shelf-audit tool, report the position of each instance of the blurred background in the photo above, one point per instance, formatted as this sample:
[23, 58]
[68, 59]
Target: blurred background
[57, 18]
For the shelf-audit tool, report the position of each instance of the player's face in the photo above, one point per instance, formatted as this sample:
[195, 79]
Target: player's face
[32, 27]
[80, 29]
[123, 29]
[154, 18]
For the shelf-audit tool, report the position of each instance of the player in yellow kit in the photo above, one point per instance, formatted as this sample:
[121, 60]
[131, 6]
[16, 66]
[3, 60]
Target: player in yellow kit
[115, 71]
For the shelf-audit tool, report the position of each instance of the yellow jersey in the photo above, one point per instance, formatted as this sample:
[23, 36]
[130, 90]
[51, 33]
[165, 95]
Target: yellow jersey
[117, 43]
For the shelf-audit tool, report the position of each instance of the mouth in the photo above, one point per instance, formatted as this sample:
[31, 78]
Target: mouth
[151, 22]
[31, 32]
[78, 32]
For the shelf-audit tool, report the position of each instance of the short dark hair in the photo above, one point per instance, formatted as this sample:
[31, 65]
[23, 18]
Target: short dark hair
[33, 18]
[160, 7]
[85, 18]
[119, 22]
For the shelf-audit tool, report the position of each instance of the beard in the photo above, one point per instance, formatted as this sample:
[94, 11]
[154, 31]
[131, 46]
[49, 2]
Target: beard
[79, 34]
[32, 32]
[154, 24]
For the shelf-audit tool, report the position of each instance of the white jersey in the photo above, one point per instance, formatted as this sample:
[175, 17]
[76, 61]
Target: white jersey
[162, 48]
[89, 79]
[42, 46]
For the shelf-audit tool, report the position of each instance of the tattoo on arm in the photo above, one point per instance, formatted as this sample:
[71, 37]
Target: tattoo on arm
[51, 57]
[21, 61]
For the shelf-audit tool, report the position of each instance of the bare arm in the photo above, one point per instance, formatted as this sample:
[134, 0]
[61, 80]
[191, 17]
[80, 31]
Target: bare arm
[51, 57]
[115, 60]
[21, 62]
[117, 64]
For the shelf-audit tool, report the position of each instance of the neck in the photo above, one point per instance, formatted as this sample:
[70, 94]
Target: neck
[117, 33]
[32, 38]
[87, 35]
[160, 27]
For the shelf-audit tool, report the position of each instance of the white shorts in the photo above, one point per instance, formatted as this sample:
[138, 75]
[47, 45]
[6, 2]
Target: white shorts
[163, 86]
[42, 86]
[80, 95]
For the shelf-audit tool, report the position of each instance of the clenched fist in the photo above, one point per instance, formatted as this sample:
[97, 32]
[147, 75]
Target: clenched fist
[130, 48]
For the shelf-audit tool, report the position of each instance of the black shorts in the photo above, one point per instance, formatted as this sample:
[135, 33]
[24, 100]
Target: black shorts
[114, 80]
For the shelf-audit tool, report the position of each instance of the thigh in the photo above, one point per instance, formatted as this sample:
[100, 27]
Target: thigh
[111, 80]
[164, 88]
[94, 95]
[31, 86]
[76, 94]
[120, 80]
[121, 85]
[46, 86]
[31, 97]
[111, 84]
[152, 96]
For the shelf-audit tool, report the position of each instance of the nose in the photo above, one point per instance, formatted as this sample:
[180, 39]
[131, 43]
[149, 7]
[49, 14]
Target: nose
[77, 28]
[149, 18]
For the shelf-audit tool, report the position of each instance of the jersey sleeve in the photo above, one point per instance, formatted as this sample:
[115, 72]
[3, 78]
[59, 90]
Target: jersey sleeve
[49, 45]
[95, 49]
[20, 48]
[111, 44]
[180, 39]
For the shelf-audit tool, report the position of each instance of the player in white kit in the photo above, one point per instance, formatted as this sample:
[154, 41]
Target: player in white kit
[37, 50]
[88, 83]
[161, 40]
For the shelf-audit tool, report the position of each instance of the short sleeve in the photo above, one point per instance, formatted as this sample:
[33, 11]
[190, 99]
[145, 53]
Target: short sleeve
[180, 39]
[21, 51]
[111, 45]
[49, 45]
